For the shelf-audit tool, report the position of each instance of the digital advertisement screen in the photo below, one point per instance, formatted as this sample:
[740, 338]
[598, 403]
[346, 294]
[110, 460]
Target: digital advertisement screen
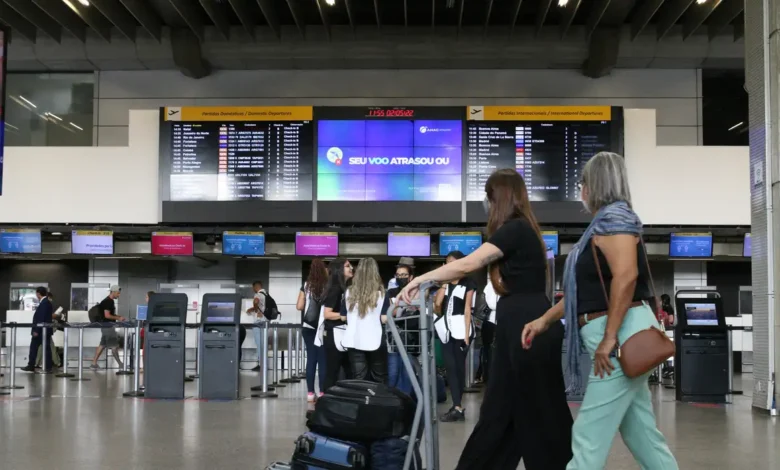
[220, 312]
[690, 245]
[701, 314]
[547, 145]
[243, 243]
[20, 240]
[551, 240]
[465, 242]
[389, 154]
[317, 244]
[747, 246]
[408, 244]
[91, 242]
[236, 153]
[172, 243]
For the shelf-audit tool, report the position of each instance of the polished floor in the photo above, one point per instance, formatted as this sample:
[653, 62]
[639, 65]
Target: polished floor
[58, 424]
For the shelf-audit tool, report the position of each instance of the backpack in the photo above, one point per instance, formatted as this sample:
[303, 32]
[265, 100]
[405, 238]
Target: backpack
[271, 312]
[95, 315]
[312, 314]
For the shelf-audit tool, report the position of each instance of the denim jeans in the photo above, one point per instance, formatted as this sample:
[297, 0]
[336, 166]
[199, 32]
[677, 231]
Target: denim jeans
[258, 331]
[315, 360]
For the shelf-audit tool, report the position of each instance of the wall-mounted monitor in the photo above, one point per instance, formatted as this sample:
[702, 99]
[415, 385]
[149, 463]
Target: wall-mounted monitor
[465, 242]
[551, 240]
[701, 314]
[690, 245]
[92, 242]
[409, 244]
[747, 246]
[172, 243]
[20, 240]
[317, 244]
[243, 243]
[218, 163]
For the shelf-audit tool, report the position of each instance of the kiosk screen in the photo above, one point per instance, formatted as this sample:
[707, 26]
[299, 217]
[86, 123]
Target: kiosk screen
[220, 312]
[701, 314]
[166, 312]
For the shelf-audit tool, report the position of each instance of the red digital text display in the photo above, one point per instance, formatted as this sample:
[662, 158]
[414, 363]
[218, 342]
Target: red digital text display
[390, 112]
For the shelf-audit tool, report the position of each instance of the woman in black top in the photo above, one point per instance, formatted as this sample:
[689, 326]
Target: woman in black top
[339, 275]
[524, 414]
[454, 302]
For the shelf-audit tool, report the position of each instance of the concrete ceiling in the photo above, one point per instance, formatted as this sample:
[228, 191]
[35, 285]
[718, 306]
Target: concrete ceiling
[198, 36]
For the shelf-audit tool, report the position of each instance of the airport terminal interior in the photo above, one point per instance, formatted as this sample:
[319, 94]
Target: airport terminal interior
[178, 176]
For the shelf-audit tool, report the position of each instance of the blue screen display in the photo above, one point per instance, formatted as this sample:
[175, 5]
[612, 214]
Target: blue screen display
[747, 247]
[20, 241]
[690, 245]
[140, 312]
[551, 240]
[243, 243]
[465, 242]
[396, 160]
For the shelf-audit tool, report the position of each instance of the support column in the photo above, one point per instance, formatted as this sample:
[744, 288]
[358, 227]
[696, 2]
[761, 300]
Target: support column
[762, 71]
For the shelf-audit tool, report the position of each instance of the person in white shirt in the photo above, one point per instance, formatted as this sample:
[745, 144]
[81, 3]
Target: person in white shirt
[364, 337]
[257, 309]
[310, 303]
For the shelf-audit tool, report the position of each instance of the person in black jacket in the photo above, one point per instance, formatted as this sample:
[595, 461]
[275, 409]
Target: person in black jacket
[43, 314]
[339, 274]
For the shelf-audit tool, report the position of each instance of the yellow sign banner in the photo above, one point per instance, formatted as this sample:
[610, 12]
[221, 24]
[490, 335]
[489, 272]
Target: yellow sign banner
[251, 234]
[459, 234]
[20, 230]
[549, 233]
[539, 113]
[93, 233]
[239, 113]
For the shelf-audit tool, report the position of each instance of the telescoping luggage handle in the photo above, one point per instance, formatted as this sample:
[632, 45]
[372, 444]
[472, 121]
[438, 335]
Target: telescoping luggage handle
[422, 388]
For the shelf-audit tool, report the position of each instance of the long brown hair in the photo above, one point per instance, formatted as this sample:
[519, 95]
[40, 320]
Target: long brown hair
[317, 279]
[508, 198]
[367, 287]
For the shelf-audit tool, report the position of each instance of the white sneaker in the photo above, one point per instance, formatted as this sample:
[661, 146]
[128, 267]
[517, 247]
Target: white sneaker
[310, 397]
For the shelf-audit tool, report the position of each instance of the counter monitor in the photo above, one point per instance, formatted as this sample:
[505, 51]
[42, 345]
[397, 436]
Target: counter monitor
[172, 243]
[747, 246]
[92, 242]
[408, 244]
[20, 240]
[465, 242]
[551, 240]
[317, 244]
[690, 245]
[243, 243]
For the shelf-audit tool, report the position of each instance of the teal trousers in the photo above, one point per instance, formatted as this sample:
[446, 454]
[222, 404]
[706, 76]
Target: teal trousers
[617, 403]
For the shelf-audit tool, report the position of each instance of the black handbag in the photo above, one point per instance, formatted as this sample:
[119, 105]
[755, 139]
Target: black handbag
[359, 410]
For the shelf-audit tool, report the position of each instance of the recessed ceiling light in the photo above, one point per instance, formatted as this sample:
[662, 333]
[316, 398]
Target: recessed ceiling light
[84, 2]
[330, 2]
[563, 3]
[56, 234]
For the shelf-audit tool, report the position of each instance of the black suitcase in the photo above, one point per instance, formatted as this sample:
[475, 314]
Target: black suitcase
[358, 410]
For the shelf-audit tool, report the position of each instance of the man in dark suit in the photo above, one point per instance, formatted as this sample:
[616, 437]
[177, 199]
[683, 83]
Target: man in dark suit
[43, 314]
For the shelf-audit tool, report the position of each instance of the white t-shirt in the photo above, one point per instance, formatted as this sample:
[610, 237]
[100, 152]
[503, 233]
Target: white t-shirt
[260, 296]
[364, 334]
[491, 299]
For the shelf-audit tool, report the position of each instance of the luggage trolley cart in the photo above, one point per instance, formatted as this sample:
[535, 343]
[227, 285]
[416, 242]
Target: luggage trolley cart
[424, 386]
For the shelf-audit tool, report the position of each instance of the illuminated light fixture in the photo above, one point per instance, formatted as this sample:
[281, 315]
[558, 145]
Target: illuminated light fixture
[53, 115]
[84, 2]
[563, 3]
[56, 234]
[700, 2]
[11, 126]
[736, 125]
[27, 101]
[76, 126]
[330, 2]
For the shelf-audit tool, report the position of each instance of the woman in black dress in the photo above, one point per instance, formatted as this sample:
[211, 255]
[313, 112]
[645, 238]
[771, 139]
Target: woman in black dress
[524, 414]
[335, 313]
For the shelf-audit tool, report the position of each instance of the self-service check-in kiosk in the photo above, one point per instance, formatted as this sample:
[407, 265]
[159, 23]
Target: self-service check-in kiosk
[164, 353]
[219, 346]
[701, 361]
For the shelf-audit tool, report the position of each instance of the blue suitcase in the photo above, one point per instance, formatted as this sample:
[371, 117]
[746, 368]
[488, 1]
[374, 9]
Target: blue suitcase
[315, 451]
[389, 454]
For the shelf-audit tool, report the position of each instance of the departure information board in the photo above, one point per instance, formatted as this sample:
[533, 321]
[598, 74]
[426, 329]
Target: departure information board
[237, 153]
[389, 153]
[548, 146]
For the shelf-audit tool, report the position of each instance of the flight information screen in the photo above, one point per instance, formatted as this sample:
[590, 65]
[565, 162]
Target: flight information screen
[237, 153]
[548, 146]
[389, 154]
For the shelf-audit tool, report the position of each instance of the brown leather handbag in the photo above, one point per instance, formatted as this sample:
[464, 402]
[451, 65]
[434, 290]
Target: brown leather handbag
[647, 349]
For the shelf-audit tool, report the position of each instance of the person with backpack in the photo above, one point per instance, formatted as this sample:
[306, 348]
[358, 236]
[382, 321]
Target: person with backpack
[257, 309]
[105, 312]
[310, 300]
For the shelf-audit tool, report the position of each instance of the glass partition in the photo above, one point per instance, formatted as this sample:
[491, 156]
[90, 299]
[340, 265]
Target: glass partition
[22, 295]
[49, 109]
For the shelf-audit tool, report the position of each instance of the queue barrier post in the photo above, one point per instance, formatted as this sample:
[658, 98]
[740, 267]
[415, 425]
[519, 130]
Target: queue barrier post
[136, 392]
[470, 385]
[12, 371]
[80, 376]
[196, 375]
[275, 358]
[125, 355]
[264, 389]
[301, 364]
[290, 361]
[65, 374]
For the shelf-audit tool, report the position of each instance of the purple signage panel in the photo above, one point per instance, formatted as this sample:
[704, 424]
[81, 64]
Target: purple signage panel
[317, 244]
[408, 244]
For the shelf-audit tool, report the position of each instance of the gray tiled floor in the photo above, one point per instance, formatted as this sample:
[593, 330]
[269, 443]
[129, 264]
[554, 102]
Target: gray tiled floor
[56, 424]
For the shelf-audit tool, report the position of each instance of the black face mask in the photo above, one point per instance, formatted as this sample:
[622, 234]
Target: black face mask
[402, 281]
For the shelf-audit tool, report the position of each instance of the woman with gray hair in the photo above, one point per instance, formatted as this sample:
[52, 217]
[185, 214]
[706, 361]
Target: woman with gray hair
[602, 317]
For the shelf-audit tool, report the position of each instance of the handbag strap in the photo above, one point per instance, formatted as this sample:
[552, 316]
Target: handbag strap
[601, 276]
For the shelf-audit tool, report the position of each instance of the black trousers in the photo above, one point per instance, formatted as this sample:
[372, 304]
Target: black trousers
[369, 365]
[335, 360]
[241, 338]
[35, 343]
[524, 414]
[454, 355]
